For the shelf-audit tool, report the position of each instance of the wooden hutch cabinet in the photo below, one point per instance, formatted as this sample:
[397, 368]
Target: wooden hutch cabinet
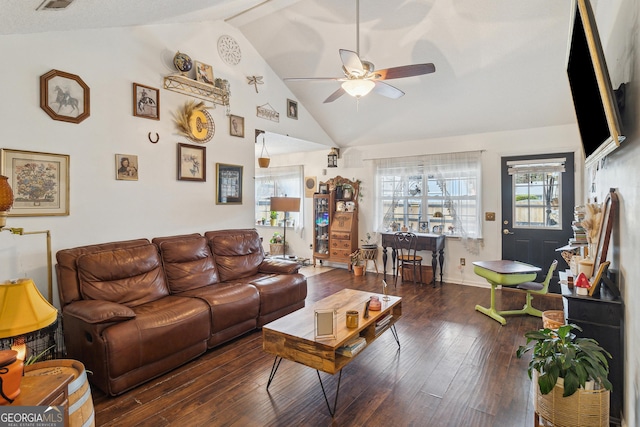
[335, 216]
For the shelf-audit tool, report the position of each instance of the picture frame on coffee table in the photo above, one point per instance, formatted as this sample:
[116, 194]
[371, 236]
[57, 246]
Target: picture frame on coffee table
[326, 323]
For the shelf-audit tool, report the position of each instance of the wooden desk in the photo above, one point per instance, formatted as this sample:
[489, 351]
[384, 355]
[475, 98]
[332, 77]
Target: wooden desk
[426, 242]
[503, 273]
[45, 390]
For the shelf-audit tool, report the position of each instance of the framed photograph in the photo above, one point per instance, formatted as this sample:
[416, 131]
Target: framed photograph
[64, 96]
[146, 102]
[236, 126]
[326, 323]
[204, 73]
[192, 163]
[40, 182]
[292, 109]
[323, 189]
[229, 184]
[126, 167]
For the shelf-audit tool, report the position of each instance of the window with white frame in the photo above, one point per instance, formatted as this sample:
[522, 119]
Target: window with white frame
[432, 193]
[278, 182]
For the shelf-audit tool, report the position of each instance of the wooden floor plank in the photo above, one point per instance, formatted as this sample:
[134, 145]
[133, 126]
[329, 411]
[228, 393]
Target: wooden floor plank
[455, 367]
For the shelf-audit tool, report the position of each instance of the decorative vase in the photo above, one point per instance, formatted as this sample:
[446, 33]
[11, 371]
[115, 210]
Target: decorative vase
[10, 375]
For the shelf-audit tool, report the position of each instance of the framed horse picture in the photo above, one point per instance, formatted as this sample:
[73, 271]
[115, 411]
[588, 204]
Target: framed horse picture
[64, 96]
[146, 102]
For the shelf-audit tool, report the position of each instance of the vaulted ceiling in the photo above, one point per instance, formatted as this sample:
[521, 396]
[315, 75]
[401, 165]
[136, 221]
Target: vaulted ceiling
[500, 64]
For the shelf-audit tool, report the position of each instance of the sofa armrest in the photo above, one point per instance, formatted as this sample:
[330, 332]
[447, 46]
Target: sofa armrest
[95, 311]
[278, 266]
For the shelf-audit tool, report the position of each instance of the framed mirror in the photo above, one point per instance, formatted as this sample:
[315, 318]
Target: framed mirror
[609, 211]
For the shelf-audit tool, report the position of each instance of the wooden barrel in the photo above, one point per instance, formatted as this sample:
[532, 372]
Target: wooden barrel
[81, 412]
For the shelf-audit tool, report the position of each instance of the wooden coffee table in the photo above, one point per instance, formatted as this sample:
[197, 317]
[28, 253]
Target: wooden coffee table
[292, 337]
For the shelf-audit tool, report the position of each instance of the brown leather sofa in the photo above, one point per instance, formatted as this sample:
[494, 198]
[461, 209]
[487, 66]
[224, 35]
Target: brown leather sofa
[133, 310]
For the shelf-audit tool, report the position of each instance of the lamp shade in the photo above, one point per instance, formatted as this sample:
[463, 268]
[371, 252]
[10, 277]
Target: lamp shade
[23, 309]
[285, 204]
[358, 87]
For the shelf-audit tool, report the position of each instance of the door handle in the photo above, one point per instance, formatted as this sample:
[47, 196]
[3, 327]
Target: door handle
[506, 231]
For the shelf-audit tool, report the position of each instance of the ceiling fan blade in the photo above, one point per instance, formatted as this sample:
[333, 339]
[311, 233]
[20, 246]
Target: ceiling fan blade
[351, 62]
[404, 71]
[307, 79]
[335, 95]
[387, 90]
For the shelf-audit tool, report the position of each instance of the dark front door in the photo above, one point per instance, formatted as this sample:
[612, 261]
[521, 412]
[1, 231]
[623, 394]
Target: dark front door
[537, 209]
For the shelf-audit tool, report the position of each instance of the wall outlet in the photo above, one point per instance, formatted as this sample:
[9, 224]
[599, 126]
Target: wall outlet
[489, 216]
[463, 261]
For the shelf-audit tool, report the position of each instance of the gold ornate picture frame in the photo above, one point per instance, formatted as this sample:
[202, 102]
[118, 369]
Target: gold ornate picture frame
[64, 96]
[40, 182]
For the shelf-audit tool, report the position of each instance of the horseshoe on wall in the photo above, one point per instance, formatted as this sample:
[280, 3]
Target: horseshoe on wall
[157, 138]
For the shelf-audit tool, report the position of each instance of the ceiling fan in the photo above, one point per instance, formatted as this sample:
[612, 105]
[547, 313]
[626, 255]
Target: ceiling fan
[360, 77]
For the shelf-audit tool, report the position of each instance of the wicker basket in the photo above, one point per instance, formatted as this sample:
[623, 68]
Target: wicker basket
[276, 249]
[552, 319]
[584, 408]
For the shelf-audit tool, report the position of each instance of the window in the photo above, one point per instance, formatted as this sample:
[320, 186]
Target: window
[537, 187]
[439, 193]
[278, 182]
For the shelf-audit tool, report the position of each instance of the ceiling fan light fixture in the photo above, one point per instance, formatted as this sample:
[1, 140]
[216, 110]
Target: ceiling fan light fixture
[358, 87]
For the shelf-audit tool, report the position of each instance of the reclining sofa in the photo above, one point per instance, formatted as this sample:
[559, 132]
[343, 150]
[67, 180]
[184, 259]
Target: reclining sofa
[133, 310]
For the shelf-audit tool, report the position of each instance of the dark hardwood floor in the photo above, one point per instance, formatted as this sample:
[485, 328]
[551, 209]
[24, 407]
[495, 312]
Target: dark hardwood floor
[456, 367]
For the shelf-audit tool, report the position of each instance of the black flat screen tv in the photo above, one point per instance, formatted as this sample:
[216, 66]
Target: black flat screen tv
[593, 96]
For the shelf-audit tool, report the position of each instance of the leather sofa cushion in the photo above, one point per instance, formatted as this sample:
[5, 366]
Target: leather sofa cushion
[236, 255]
[230, 304]
[188, 263]
[67, 268]
[280, 291]
[160, 329]
[130, 276]
[96, 312]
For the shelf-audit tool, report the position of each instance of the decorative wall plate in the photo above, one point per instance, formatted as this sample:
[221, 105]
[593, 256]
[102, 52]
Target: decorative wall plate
[229, 50]
[201, 126]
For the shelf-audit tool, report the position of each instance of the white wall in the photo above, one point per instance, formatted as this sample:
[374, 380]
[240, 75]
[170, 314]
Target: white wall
[103, 209]
[618, 24]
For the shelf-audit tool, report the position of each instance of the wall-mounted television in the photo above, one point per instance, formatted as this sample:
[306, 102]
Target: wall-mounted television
[593, 96]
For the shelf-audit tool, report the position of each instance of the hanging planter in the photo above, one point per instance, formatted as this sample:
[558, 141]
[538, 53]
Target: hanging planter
[263, 161]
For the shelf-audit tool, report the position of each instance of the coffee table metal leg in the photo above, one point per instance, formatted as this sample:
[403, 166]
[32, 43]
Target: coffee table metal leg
[335, 402]
[274, 368]
[395, 334]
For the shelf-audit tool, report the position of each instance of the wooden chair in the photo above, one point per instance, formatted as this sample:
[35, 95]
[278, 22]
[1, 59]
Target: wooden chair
[404, 245]
[535, 288]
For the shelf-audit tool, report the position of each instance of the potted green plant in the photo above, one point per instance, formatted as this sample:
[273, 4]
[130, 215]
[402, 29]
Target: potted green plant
[563, 364]
[356, 263]
[560, 354]
[276, 244]
[274, 217]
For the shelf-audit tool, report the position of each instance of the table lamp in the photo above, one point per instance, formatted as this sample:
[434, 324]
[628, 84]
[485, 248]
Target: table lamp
[23, 310]
[286, 205]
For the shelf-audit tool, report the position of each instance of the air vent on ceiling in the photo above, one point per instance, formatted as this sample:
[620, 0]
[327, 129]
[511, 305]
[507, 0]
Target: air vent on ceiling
[54, 4]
